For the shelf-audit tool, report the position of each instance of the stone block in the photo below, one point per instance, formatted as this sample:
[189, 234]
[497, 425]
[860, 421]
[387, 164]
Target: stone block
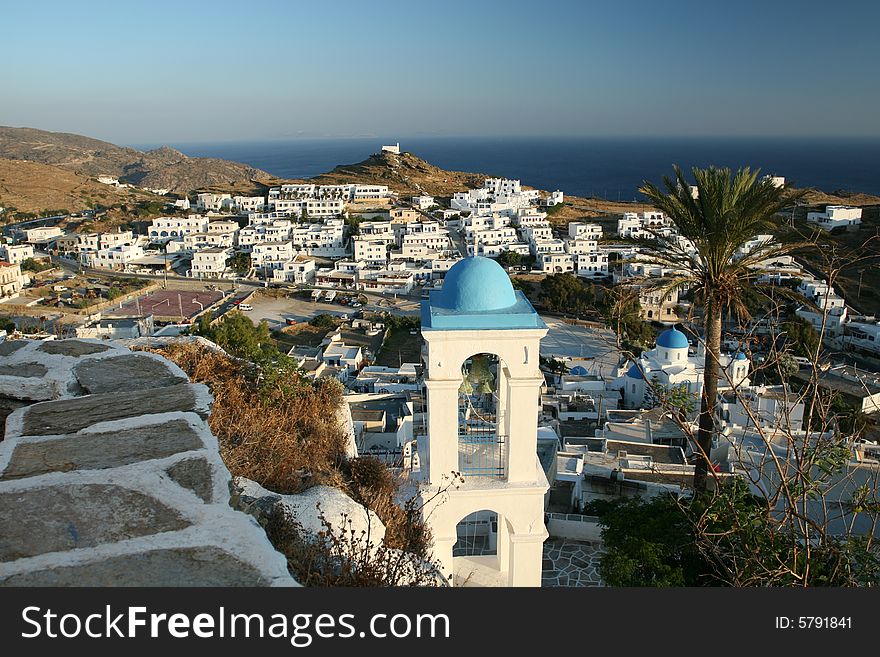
[24, 370]
[64, 517]
[128, 372]
[71, 415]
[8, 347]
[101, 450]
[73, 348]
[194, 474]
[176, 566]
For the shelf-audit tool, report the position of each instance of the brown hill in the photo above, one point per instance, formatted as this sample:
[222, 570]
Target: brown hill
[35, 187]
[409, 175]
[163, 168]
[405, 173]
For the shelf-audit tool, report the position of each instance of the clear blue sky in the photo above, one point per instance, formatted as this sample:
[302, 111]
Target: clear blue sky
[187, 71]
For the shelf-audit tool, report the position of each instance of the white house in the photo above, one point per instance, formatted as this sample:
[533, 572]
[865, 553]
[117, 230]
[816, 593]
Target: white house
[370, 250]
[248, 204]
[836, 216]
[768, 407]
[42, 235]
[269, 256]
[300, 269]
[210, 263]
[16, 253]
[115, 257]
[165, 227]
[591, 264]
[556, 263]
[646, 225]
[582, 231]
[11, 280]
[863, 334]
[117, 328]
[423, 202]
[213, 202]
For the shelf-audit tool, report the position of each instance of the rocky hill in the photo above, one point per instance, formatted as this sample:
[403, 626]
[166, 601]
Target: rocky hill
[404, 173]
[163, 168]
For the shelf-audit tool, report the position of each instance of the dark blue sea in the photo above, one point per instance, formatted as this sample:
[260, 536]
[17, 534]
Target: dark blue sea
[611, 168]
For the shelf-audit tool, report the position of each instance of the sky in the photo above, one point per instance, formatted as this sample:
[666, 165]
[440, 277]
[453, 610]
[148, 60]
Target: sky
[189, 71]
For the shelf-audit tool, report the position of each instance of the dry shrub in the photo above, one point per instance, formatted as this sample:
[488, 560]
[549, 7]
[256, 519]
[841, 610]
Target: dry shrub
[285, 447]
[373, 484]
[341, 556]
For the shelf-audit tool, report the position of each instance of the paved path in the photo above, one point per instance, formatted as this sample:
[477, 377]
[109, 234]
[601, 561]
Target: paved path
[570, 563]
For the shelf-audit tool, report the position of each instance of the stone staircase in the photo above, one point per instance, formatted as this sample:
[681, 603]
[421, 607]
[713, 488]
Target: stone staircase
[110, 476]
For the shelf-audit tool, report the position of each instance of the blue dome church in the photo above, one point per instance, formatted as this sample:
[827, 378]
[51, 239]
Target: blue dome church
[671, 365]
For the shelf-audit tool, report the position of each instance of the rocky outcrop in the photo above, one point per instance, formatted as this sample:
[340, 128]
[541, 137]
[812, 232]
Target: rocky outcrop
[310, 510]
[110, 476]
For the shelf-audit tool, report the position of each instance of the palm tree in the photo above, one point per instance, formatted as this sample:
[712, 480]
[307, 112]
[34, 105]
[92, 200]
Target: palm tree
[713, 260]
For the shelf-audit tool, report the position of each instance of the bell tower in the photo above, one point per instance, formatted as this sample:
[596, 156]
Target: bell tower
[483, 397]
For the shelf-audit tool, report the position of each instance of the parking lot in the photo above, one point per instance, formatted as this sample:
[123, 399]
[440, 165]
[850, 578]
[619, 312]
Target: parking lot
[276, 311]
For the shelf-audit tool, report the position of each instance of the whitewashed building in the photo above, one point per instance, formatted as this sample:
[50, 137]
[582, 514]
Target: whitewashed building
[423, 202]
[247, 204]
[213, 202]
[42, 235]
[166, 227]
[11, 279]
[115, 257]
[646, 225]
[863, 334]
[16, 253]
[370, 250]
[270, 256]
[210, 263]
[836, 216]
[300, 269]
[669, 365]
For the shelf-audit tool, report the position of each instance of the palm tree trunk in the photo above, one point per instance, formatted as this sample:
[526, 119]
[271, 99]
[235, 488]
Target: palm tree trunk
[709, 397]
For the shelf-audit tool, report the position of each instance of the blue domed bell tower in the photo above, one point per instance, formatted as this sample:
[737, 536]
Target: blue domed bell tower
[483, 385]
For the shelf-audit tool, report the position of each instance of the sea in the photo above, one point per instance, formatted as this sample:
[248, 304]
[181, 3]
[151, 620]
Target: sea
[612, 168]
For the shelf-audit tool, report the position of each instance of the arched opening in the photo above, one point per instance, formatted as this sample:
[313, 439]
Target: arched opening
[477, 535]
[481, 554]
[482, 433]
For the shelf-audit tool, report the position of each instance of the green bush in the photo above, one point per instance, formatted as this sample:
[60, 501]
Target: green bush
[323, 320]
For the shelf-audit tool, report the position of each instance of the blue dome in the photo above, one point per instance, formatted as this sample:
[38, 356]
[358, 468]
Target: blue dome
[476, 284]
[740, 356]
[634, 372]
[672, 339]
[579, 370]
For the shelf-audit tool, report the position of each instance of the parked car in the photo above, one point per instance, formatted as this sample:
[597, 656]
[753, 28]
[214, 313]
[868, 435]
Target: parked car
[245, 306]
[290, 321]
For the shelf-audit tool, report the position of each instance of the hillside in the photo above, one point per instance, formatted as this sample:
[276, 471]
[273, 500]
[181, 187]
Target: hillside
[163, 168]
[409, 175]
[35, 187]
[405, 173]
